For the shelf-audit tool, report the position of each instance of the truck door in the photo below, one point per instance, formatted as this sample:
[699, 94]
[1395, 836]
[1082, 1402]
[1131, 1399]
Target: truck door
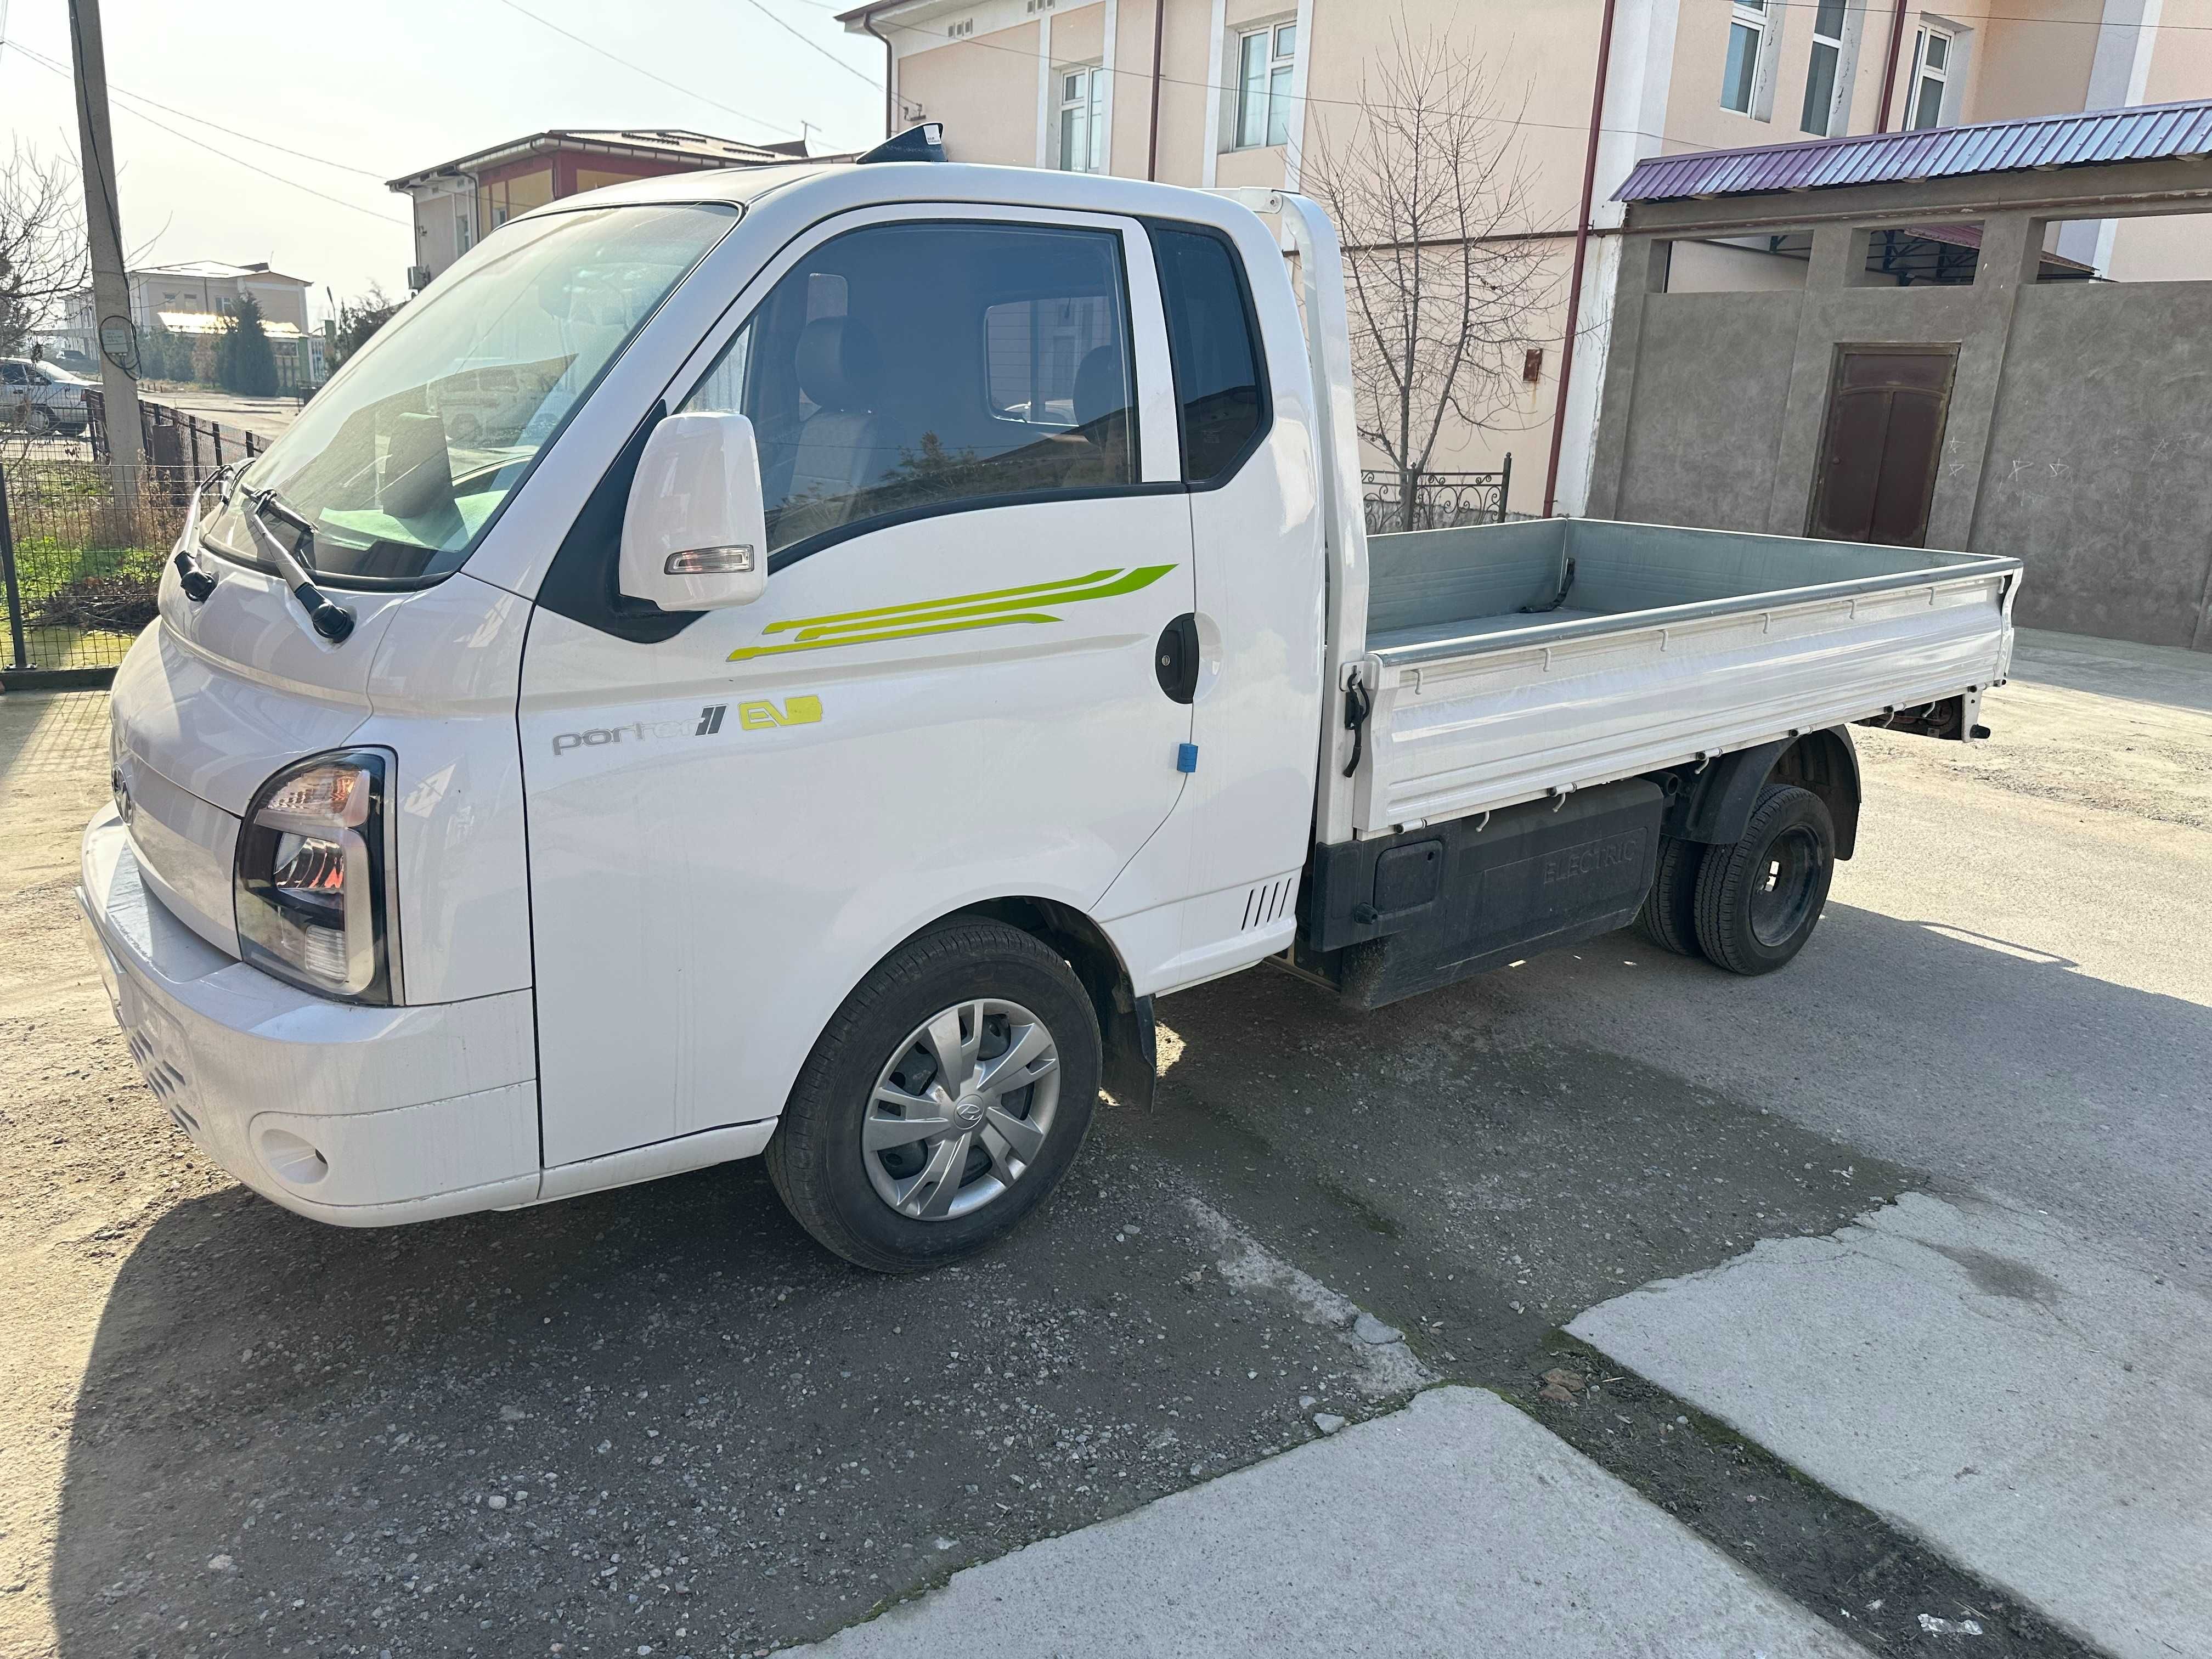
[949, 694]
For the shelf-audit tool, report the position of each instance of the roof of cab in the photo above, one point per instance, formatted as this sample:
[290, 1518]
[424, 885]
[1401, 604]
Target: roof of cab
[918, 181]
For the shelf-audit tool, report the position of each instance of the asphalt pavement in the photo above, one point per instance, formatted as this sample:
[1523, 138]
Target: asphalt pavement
[660, 1419]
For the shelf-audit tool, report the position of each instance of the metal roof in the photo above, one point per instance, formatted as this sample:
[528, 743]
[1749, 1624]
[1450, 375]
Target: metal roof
[2141, 132]
[687, 149]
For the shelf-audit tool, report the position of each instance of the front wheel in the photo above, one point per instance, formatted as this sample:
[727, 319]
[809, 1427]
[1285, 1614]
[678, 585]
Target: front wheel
[37, 422]
[947, 1097]
[1759, 900]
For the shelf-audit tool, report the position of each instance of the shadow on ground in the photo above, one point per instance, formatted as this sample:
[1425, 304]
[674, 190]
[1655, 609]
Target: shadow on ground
[702, 1433]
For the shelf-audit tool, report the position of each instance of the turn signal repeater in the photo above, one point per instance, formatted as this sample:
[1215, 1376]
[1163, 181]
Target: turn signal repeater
[711, 561]
[312, 891]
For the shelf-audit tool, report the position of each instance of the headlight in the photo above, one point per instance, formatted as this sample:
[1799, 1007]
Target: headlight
[312, 891]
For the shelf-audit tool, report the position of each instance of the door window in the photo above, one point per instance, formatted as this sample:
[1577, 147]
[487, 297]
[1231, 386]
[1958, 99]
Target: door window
[1220, 392]
[909, 368]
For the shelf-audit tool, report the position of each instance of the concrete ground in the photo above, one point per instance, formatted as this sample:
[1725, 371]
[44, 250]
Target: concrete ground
[1647, 1206]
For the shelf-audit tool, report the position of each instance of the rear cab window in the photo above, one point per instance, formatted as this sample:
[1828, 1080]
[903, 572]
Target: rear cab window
[1213, 341]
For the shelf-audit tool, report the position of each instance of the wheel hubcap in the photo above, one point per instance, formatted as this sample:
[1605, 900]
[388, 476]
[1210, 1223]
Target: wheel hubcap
[1784, 893]
[961, 1110]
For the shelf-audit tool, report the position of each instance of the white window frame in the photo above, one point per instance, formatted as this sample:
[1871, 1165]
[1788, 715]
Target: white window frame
[1839, 45]
[1280, 63]
[1088, 103]
[1947, 75]
[1764, 20]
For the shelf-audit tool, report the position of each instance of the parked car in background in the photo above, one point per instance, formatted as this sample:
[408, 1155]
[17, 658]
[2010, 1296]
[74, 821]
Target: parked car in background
[41, 399]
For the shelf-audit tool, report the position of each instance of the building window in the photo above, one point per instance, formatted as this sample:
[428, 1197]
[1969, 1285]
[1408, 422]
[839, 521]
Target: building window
[461, 232]
[1822, 72]
[1082, 143]
[1932, 77]
[1263, 85]
[1746, 54]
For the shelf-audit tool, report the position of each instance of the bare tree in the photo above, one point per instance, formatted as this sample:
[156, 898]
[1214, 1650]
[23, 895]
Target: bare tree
[1446, 287]
[42, 245]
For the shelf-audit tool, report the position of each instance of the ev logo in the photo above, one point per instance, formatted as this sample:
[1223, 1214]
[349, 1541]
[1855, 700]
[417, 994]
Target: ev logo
[759, 716]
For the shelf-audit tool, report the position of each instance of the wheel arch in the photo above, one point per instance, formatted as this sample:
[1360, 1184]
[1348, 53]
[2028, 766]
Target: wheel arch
[1828, 763]
[1128, 1039]
[1715, 805]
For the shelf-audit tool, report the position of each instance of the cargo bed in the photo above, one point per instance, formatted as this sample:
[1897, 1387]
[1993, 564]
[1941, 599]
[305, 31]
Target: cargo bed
[1507, 663]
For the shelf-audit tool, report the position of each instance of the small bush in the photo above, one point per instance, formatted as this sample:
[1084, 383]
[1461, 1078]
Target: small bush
[118, 605]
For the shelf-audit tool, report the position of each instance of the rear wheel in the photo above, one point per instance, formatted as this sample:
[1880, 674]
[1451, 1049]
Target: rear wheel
[946, 1098]
[1669, 916]
[37, 421]
[1759, 901]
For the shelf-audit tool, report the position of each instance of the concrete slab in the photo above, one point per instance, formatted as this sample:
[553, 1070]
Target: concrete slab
[2037, 1409]
[1454, 1526]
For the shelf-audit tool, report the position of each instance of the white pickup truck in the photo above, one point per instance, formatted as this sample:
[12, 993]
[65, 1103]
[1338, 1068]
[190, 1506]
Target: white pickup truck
[919, 614]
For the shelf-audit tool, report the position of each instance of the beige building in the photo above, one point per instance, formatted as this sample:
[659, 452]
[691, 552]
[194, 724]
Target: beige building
[1222, 93]
[206, 288]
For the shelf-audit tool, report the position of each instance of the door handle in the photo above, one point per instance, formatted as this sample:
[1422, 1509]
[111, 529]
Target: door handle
[1175, 660]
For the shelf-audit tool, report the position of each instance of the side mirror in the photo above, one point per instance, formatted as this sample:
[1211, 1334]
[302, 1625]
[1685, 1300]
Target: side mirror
[695, 536]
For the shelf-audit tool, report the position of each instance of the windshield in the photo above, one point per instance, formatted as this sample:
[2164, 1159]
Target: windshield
[401, 462]
[53, 376]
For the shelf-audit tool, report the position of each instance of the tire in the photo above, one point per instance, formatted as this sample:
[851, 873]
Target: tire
[37, 422]
[1669, 916]
[888, 1205]
[1759, 901]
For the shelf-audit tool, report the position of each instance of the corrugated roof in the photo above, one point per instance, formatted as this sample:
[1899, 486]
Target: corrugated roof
[2141, 132]
[702, 149]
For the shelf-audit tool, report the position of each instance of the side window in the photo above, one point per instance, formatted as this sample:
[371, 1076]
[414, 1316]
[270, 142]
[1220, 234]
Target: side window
[1219, 386]
[919, 366]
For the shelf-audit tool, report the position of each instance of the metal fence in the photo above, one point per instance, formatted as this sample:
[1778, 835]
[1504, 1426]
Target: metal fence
[1434, 500]
[81, 552]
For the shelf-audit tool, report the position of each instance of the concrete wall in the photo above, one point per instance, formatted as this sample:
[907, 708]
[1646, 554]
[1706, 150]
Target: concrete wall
[2078, 437]
[2099, 471]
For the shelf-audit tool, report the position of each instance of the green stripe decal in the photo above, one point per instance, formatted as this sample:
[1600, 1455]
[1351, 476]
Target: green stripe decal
[999, 608]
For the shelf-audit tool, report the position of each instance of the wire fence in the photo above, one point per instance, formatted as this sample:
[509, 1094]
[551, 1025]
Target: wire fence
[1434, 500]
[81, 550]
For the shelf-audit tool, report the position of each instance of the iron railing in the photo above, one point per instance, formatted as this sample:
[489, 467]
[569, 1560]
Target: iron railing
[1434, 500]
[81, 551]
[175, 438]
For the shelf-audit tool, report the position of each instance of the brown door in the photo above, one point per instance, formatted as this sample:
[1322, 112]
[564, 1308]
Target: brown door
[1882, 443]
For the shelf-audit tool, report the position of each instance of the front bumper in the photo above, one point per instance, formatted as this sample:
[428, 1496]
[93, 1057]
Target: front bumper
[360, 1116]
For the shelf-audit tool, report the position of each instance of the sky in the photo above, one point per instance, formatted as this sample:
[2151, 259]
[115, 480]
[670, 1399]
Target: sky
[384, 88]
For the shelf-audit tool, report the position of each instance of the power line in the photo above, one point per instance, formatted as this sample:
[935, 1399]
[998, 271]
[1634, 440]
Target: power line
[639, 69]
[1881, 11]
[235, 161]
[1029, 54]
[202, 120]
[815, 46]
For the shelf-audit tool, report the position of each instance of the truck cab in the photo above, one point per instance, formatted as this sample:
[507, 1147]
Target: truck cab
[903, 618]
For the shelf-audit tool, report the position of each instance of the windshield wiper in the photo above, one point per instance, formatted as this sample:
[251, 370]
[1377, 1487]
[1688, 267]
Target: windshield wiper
[194, 580]
[330, 619]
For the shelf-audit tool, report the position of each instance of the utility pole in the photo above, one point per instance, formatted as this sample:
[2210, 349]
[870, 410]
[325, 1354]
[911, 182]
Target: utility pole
[103, 223]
